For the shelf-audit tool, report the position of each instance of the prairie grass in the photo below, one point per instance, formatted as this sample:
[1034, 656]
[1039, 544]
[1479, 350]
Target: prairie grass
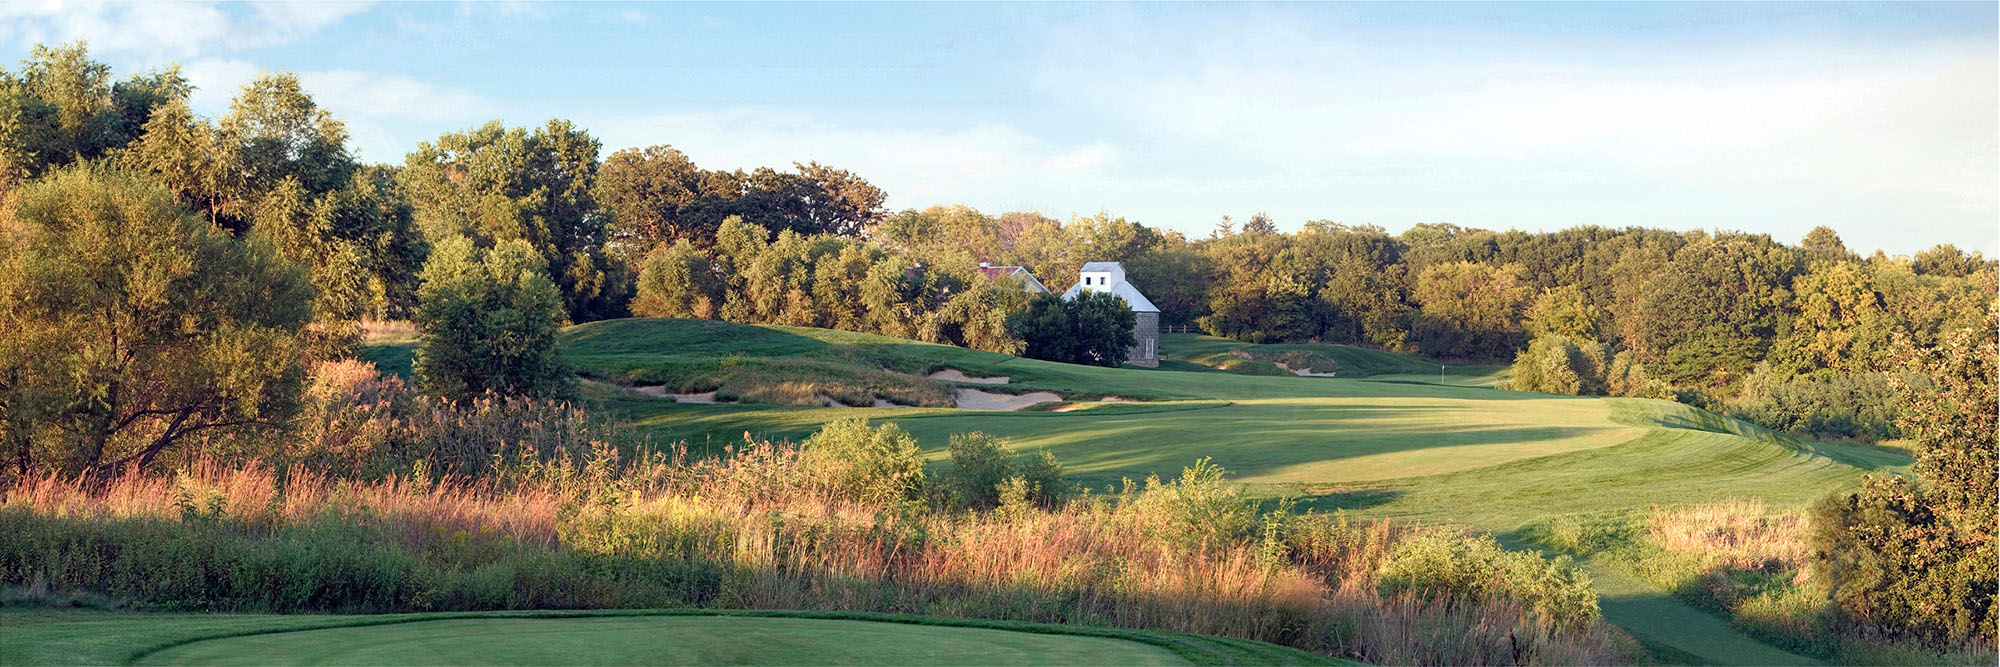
[760, 528]
[1752, 565]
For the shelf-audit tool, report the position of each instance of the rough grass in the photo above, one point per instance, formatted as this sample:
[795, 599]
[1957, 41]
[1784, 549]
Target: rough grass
[757, 531]
[1742, 560]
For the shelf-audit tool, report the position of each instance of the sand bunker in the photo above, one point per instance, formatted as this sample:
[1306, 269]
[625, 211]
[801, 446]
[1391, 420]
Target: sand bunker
[1303, 372]
[974, 399]
[954, 375]
[660, 391]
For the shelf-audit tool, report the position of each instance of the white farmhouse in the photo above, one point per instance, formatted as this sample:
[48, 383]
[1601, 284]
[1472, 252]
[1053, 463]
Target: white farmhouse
[1110, 277]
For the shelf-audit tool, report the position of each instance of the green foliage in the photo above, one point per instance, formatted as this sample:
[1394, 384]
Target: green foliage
[1860, 406]
[1465, 568]
[675, 281]
[1563, 311]
[1918, 558]
[1197, 511]
[489, 321]
[852, 460]
[495, 184]
[982, 476]
[128, 326]
[1468, 310]
[1557, 364]
[1091, 328]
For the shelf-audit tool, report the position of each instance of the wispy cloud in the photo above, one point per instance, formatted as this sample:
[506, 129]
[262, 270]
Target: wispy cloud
[170, 29]
[1909, 134]
[917, 166]
[369, 102]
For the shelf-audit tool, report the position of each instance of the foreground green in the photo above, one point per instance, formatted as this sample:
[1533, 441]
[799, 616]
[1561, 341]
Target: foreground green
[619, 637]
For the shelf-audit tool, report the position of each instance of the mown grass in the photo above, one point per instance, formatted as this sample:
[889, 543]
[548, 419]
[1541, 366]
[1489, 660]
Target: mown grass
[1398, 444]
[1347, 360]
[74, 636]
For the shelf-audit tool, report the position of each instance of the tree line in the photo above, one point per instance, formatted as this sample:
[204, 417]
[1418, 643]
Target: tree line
[168, 279]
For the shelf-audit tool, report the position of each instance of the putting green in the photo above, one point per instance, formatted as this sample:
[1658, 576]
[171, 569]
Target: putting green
[675, 640]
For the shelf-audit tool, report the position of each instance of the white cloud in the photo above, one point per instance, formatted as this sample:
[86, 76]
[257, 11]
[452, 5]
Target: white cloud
[368, 102]
[1800, 129]
[391, 95]
[918, 167]
[169, 29]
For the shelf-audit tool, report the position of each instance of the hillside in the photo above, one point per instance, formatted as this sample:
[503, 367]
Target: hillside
[1199, 351]
[1474, 456]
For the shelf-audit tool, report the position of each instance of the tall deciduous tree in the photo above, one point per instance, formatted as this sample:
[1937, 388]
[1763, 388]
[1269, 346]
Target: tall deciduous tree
[494, 184]
[128, 326]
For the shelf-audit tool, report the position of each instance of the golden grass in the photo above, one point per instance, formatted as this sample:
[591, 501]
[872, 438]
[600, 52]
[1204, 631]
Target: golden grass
[792, 545]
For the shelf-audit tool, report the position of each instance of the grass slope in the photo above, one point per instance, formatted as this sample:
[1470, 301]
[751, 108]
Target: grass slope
[1399, 443]
[1200, 351]
[601, 637]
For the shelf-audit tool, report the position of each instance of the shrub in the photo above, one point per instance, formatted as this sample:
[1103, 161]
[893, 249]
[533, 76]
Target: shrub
[1557, 364]
[1467, 569]
[851, 460]
[489, 321]
[980, 468]
[1197, 511]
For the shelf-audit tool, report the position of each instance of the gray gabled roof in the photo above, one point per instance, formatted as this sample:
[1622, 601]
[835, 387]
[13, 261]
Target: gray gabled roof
[1133, 299]
[1102, 266]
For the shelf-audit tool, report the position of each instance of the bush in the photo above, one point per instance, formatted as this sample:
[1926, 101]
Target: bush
[489, 321]
[1197, 511]
[1556, 364]
[1861, 406]
[1469, 569]
[981, 475]
[851, 460]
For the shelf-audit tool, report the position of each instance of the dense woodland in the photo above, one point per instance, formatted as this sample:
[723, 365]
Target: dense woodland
[169, 279]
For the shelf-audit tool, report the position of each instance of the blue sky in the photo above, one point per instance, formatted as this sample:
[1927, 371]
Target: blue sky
[1878, 120]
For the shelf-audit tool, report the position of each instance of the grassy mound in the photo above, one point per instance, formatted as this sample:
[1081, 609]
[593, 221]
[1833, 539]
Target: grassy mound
[1346, 360]
[617, 637]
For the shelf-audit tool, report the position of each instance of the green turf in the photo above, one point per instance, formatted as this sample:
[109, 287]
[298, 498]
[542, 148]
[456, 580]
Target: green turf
[1402, 443]
[1355, 362]
[61, 637]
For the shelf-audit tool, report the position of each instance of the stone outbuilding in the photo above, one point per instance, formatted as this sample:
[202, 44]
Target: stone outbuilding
[1110, 277]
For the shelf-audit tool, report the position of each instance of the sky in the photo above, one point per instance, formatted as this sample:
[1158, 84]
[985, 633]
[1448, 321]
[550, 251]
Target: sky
[1878, 120]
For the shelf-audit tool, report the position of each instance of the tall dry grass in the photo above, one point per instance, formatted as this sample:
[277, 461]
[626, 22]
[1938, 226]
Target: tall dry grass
[1757, 567]
[748, 530]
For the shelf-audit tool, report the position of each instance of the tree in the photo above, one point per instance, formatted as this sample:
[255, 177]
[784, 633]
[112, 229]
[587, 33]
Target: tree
[494, 184]
[1715, 309]
[1823, 245]
[1103, 328]
[657, 196]
[129, 327]
[1918, 558]
[1557, 364]
[1090, 328]
[489, 320]
[1468, 309]
[676, 281]
[62, 108]
[1563, 311]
